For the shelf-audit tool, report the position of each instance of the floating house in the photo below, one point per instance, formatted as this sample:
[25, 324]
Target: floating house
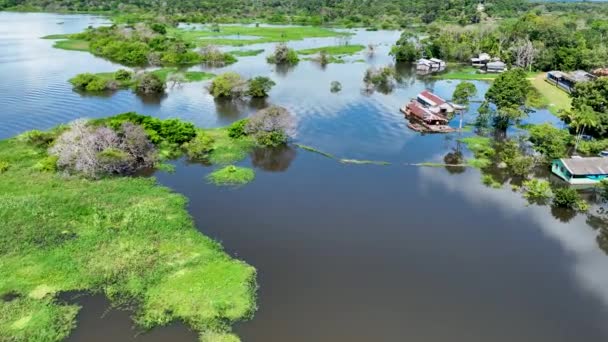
[481, 60]
[432, 64]
[581, 172]
[567, 80]
[428, 113]
[496, 67]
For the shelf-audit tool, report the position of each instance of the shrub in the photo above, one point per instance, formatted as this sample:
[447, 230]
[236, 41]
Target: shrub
[97, 84]
[237, 129]
[565, 197]
[260, 86]
[150, 83]
[173, 131]
[271, 126]
[551, 142]
[48, 164]
[229, 85]
[4, 166]
[211, 54]
[81, 81]
[382, 79]
[38, 138]
[537, 190]
[283, 55]
[177, 131]
[96, 151]
[123, 75]
[335, 86]
[488, 180]
[200, 146]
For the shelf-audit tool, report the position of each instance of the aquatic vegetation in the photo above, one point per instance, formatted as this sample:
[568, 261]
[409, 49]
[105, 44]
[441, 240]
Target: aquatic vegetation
[150, 83]
[335, 87]
[550, 141]
[260, 86]
[380, 78]
[482, 150]
[565, 197]
[283, 55]
[333, 50]
[363, 162]
[228, 85]
[271, 127]
[246, 53]
[314, 150]
[124, 236]
[232, 175]
[537, 190]
[488, 180]
[212, 55]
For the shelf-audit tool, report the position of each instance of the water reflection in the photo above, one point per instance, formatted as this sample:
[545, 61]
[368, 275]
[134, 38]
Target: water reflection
[276, 159]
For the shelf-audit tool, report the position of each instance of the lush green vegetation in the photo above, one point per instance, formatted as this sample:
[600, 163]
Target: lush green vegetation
[334, 50]
[232, 175]
[283, 55]
[264, 34]
[231, 85]
[470, 73]
[126, 237]
[246, 53]
[123, 79]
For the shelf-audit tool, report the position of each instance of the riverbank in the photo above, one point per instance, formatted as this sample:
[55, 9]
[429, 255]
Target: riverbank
[127, 237]
[557, 99]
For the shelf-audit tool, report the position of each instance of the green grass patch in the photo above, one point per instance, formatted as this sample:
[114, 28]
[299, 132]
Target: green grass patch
[551, 97]
[264, 34]
[246, 53]
[226, 150]
[127, 237]
[72, 45]
[191, 76]
[334, 50]
[232, 175]
[470, 73]
[482, 150]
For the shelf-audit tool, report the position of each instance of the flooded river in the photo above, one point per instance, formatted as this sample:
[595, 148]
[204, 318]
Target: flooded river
[343, 252]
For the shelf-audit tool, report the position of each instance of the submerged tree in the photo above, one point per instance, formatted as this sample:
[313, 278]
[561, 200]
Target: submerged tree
[509, 93]
[260, 86]
[271, 126]
[283, 55]
[382, 79]
[462, 95]
[149, 83]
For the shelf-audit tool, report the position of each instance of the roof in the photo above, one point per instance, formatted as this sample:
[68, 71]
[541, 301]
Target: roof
[436, 60]
[575, 76]
[497, 64]
[422, 113]
[424, 61]
[586, 166]
[431, 98]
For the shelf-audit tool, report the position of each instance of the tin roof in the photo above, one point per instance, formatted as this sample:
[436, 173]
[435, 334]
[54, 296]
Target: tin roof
[423, 113]
[586, 166]
[431, 98]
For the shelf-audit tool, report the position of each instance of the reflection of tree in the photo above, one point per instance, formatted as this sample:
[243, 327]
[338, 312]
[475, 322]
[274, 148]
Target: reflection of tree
[275, 159]
[563, 214]
[152, 98]
[282, 69]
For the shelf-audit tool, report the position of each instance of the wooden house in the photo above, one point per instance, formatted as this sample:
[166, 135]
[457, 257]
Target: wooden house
[567, 80]
[428, 113]
[496, 67]
[581, 172]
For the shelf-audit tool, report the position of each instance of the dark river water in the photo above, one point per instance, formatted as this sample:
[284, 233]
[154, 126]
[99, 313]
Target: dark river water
[343, 252]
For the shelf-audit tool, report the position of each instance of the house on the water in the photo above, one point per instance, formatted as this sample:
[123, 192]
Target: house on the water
[432, 64]
[481, 60]
[567, 80]
[428, 113]
[581, 172]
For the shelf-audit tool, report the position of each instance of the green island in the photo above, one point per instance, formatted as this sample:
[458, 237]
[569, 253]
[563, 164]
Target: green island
[264, 34]
[334, 50]
[75, 221]
[246, 53]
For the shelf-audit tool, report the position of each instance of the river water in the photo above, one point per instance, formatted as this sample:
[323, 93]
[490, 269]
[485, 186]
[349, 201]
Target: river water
[343, 252]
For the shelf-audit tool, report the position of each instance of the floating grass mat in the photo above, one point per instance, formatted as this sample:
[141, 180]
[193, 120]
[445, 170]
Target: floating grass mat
[342, 160]
[231, 175]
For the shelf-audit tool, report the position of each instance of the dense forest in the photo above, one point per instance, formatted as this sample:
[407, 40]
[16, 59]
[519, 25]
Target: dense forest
[389, 13]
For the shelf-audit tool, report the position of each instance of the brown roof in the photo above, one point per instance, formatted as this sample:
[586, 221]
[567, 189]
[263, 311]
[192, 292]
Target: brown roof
[423, 113]
[587, 166]
[427, 94]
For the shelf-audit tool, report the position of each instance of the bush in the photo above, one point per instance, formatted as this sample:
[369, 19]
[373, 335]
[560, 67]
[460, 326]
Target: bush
[200, 146]
[173, 131]
[382, 79]
[48, 164]
[229, 85]
[566, 198]
[260, 86]
[176, 131]
[97, 151]
[81, 81]
[123, 75]
[537, 190]
[38, 138]
[4, 166]
[97, 84]
[335, 86]
[150, 83]
[271, 126]
[283, 55]
[237, 129]
[551, 142]
[211, 54]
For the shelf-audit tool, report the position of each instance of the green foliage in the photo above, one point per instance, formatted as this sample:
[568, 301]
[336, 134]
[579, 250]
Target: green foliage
[283, 55]
[405, 50]
[48, 164]
[150, 83]
[537, 190]
[246, 53]
[228, 84]
[463, 93]
[231, 175]
[565, 197]
[260, 86]
[125, 237]
[509, 90]
[272, 139]
[39, 138]
[173, 131]
[237, 129]
[333, 50]
[482, 149]
[550, 141]
[89, 82]
[489, 181]
[123, 75]
[590, 97]
[200, 146]
[4, 166]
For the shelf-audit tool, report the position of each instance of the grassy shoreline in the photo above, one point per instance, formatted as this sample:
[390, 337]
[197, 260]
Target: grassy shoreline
[127, 237]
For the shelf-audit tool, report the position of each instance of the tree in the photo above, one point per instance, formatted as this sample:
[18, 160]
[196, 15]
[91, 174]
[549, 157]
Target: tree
[592, 95]
[583, 117]
[228, 85]
[510, 89]
[525, 54]
[260, 86]
[283, 55]
[405, 50]
[550, 141]
[271, 126]
[176, 79]
[150, 83]
[462, 95]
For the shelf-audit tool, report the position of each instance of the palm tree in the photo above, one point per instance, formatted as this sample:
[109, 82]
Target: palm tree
[584, 117]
